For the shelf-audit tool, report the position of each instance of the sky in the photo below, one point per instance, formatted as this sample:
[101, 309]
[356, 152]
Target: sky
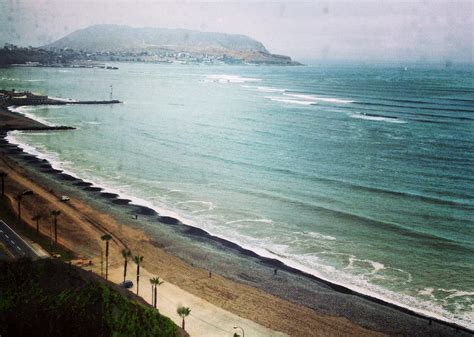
[327, 30]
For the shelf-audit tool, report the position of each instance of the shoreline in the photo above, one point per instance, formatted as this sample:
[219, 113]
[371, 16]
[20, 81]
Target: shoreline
[338, 294]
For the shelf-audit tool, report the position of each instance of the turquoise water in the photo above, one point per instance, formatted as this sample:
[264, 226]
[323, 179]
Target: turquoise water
[362, 175]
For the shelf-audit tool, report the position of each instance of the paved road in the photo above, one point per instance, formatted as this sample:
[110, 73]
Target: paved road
[205, 319]
[14, 243]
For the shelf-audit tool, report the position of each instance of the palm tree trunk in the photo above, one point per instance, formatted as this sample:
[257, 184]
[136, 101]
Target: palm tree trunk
[56, 230]
[138, 276]
[183, 324]
[152, 295]
[37, 226]
[125, 271]
[51, 234]
[19, 209]
[156, 290]
[106, 260]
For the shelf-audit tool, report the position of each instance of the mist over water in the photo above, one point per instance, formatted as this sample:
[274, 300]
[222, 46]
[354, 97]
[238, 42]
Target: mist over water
[362, 175]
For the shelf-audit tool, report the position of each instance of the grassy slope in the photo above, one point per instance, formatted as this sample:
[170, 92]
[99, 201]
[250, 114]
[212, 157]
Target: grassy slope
[51, 298]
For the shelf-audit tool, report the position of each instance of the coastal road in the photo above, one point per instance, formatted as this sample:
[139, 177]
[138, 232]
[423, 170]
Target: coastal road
[205, 319]
[14, 243]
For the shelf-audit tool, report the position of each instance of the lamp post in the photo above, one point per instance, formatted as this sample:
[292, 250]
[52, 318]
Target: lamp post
[18, 198]
[238, 327]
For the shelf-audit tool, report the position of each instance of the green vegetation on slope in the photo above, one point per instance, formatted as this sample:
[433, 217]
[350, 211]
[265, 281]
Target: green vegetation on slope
[50, 298]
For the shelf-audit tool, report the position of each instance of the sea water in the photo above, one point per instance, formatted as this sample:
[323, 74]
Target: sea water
[361, 175]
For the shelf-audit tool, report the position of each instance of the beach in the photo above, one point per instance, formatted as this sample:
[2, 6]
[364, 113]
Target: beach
[259, 289]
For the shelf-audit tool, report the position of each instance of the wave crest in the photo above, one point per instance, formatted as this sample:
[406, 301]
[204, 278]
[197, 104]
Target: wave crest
[223, 78]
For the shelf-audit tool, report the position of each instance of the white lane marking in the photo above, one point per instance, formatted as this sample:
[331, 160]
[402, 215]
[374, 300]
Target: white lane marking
[7, 236]
[12, 241]
[1, 231]
[17, 236]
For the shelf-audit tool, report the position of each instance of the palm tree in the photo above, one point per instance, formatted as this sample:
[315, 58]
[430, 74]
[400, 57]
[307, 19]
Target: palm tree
[126, 253]
[152, 292]
[183, 312]
[3, 175]
[18, 198]
[55, 214]
[155, 282]
[106, 238]
[138, 259]
[37, 217]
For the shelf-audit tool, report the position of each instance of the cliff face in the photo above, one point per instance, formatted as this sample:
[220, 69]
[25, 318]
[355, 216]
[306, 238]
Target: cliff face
[125, 39]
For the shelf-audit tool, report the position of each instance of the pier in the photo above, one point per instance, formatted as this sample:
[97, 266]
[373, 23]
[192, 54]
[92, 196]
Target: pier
[58, 102]
[19, 98]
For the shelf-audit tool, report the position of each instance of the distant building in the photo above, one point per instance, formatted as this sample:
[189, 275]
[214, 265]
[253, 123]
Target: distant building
[24, 98]
[3, 98]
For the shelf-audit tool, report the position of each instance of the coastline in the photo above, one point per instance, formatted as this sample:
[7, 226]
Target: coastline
[202, 251]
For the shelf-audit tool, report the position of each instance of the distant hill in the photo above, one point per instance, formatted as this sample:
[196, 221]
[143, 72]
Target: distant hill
[161, 41]
[122, 38]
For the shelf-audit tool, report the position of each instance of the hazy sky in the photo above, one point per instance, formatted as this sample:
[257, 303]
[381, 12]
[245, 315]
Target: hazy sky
[330, 30]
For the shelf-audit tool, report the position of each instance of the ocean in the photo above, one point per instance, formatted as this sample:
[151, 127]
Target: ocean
[362, 175]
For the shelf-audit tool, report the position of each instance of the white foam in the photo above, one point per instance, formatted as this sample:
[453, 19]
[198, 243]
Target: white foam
[408, 275]
[362, 285]
[24, 111]
[378, 118]
[267, 221]
[209, 205]
[290, 101]
[320, 236]
[426, 292]
[376, 266]
[319, 98]
[458, 293]
[223, 78]
[264, 89]
[19, 79]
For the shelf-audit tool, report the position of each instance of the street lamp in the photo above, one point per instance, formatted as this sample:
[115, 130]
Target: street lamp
[238, 327]
[18, 198]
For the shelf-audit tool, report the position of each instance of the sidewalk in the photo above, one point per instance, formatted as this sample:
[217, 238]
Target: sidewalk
[205, 319]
